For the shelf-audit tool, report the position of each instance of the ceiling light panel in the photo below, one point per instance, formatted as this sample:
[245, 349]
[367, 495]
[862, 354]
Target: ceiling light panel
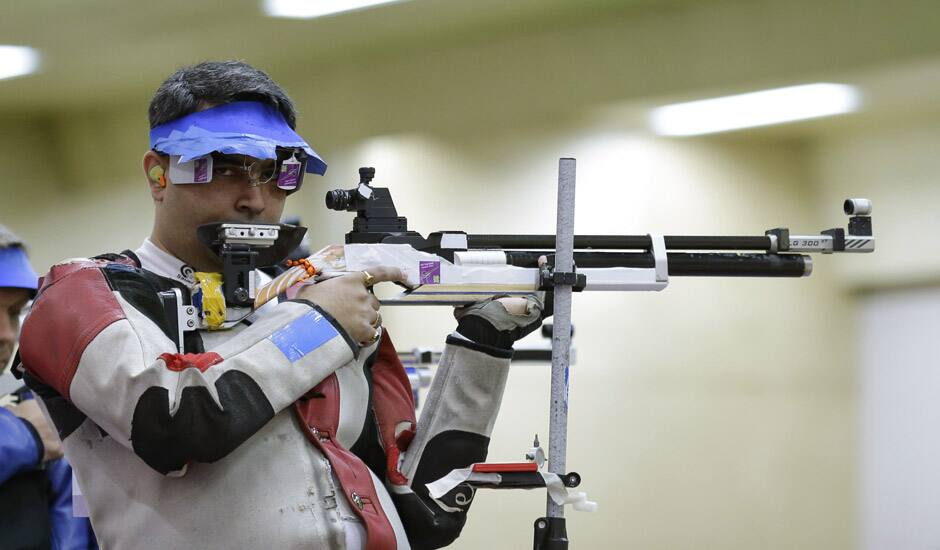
[17, 61]
[763, 108]
[308, 9]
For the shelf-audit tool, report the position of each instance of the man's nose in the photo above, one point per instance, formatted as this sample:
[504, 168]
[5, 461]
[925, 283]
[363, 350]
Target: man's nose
[252, 200]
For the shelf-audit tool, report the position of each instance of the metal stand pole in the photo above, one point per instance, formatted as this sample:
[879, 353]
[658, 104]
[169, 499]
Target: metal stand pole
[550, 532]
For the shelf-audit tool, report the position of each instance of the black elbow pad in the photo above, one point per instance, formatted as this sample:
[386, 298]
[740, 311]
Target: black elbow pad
[426, 524]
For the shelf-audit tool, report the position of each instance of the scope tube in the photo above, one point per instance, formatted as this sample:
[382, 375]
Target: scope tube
[620, 242]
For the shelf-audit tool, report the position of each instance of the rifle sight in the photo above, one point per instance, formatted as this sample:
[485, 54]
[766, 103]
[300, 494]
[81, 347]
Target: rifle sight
[342, 199]
[352, 200]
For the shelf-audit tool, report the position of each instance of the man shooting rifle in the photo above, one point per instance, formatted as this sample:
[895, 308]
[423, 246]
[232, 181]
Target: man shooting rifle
[195, 421]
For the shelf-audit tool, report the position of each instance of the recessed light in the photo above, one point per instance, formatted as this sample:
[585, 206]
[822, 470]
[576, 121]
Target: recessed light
[761, 108]
[17, 61]
[308, 9]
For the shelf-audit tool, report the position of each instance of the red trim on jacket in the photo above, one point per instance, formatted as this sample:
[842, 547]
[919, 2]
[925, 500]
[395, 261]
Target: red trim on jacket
[395, 411]
[393, 405]
[74, 305]
[319, 419]
[181, 361]
[320, 406]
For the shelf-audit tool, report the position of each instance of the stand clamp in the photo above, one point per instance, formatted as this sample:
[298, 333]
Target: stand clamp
[549, 278]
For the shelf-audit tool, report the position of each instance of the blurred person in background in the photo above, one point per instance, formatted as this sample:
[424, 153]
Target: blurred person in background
[35, 481]
[293, 428]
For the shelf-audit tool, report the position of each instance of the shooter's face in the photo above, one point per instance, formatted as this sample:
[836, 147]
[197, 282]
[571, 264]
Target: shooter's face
[182, 208]
[12, 302]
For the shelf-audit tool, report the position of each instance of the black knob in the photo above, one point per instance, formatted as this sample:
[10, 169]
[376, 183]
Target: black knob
[366, 173]
[241, 294]
[573, 479]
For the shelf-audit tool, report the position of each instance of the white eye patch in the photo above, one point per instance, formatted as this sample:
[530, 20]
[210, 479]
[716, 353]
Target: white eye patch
[198, 170]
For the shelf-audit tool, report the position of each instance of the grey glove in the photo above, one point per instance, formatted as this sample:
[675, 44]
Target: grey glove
[489, 323]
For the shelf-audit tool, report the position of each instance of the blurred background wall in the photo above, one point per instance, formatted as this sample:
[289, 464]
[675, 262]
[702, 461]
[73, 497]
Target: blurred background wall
[719, 413]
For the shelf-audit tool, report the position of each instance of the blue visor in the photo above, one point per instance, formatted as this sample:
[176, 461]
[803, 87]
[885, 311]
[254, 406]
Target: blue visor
[240, 128]
[15, 271]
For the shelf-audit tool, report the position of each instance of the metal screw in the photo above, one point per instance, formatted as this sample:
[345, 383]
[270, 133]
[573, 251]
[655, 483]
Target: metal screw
[190, 323]
[190, 310]
[541, 524]
[241, 294]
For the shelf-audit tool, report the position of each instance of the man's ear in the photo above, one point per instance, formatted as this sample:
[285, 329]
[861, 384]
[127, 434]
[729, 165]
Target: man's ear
[155, 167]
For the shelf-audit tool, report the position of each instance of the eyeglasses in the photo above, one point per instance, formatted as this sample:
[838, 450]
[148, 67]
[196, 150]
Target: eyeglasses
[236, 168]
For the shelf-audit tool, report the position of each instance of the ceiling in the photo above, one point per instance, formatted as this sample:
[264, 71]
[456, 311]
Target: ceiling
[95, 49]
[108, 52]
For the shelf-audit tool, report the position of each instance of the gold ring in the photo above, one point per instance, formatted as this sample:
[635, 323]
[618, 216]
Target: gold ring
[378, 320]
[367, 278]
[375, 338]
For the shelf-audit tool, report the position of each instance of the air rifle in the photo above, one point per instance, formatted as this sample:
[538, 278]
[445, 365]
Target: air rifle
[454, 267]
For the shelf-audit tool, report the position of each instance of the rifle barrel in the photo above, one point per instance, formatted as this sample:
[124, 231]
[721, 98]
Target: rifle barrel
[686, 264]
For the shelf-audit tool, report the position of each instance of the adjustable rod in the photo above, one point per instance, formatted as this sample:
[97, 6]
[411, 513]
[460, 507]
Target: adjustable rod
[561, 331]
[683, 264]
[620, 242]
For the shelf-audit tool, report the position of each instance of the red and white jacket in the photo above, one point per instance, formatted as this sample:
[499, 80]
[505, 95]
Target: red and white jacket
[278, 433]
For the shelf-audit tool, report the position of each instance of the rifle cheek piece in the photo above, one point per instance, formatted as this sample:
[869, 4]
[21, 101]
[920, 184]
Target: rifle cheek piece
[243, 247]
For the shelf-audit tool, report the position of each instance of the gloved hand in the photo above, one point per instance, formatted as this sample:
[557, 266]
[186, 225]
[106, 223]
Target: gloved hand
[501, 321]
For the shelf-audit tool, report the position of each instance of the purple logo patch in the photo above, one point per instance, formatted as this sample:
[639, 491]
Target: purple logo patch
[201, 170]
[430, 273]
[290, 174]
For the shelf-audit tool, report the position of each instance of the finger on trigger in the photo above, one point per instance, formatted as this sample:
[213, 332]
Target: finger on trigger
[386, 273]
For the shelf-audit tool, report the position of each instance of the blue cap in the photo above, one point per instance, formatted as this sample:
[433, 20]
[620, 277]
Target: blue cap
[15, 271]
[239, 128]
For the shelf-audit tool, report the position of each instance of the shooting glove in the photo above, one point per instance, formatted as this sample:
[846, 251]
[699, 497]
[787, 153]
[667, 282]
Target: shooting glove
[489, 323]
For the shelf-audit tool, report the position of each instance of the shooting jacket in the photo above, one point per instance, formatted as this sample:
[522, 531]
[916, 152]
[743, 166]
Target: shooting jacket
[278, 433]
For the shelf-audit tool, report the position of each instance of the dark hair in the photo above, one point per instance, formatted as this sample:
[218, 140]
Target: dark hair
[216, 83]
